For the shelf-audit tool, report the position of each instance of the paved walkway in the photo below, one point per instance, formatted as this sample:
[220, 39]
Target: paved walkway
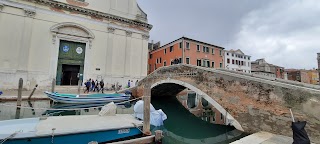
[264, 138]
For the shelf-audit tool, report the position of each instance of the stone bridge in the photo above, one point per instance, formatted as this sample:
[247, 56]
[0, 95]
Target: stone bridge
[249, 103]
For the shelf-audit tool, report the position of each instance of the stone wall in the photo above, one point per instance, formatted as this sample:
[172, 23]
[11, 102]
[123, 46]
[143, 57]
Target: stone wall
[257, 104]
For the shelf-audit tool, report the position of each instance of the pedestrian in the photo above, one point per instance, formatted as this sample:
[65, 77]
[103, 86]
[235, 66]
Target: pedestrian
[129, 84]
[88, 85]
[93, 85]
[96, 88]
[101, 85]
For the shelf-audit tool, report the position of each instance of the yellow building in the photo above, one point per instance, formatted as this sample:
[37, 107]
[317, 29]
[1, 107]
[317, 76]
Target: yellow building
[313, 76]
[43, 40]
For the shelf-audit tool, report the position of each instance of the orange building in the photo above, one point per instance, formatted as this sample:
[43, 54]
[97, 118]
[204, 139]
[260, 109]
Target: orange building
[187, 51]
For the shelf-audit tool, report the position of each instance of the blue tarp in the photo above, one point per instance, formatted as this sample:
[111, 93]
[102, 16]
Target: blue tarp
[1, 92]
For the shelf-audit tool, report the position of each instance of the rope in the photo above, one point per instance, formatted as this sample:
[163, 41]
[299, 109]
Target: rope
[23, 107]
[10, 136]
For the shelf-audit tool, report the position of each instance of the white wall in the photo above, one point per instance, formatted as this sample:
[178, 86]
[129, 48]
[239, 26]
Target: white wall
[28, 49]
[245, 68]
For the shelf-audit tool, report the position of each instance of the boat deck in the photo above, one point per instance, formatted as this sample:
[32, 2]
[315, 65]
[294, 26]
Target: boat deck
[66, 125]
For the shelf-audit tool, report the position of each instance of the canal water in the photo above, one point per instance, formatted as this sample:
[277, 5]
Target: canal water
[181, 127]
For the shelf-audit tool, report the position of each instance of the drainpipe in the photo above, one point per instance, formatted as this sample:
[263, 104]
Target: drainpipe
[182, 61]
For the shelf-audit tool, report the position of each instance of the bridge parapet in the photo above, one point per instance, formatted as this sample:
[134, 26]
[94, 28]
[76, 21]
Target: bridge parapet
[258, 104]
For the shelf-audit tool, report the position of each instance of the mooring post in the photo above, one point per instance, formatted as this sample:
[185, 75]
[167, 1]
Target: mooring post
[19, 98]
[146, 107]
[53, 85]
[79, 85]
[34, 89]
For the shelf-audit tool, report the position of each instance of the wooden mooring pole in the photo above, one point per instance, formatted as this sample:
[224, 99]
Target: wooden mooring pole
[53, 85]
[34, 89]
[17, 116]
[146, 107]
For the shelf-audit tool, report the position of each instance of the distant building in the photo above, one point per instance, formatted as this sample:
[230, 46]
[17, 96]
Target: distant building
[236, 60]
[153, 46]
[298, 75]
[318, 63]
[261, 67]
[187, 51]
[313, 76]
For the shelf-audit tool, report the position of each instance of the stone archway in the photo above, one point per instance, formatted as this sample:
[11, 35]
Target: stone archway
[231, 120]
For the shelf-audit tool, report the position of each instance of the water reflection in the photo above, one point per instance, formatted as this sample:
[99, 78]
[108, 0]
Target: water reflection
[192, 125]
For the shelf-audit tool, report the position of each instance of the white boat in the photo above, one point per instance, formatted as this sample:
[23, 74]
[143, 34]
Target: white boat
[69, 129]
[88, 98]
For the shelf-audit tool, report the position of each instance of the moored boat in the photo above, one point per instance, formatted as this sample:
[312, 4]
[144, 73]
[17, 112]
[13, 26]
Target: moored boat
[88, 98]
[69, 129]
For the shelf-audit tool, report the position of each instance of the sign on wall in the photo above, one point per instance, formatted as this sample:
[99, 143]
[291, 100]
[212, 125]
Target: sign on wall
[65, 48]
[79, 50]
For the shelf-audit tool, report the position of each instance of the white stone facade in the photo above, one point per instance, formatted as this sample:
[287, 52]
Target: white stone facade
[236, 60]
[115, 33]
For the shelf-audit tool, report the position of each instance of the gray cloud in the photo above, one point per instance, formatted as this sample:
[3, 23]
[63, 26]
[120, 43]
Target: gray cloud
[282, 31]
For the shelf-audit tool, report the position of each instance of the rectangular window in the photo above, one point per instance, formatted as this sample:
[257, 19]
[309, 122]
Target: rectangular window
[187, 45]
[157, 60]
[165, 51]
[221, 116]
[198, 47]
[198, 62]
[232, 55]
[180, 60]
[208, 64]
[150, 56]
[187, 60]
[203, 49]
[245, 57]
[164, 63]
[227, 53]
[212, 51]
[236, 62]
[180, 44]
[232, 61]
[220, 65]
[171, 48]
[160, 60]
[212, 64]
[220, 52]
[155, 67]
[228, 61]
[248, 58]
[207, 49]
[241, 62]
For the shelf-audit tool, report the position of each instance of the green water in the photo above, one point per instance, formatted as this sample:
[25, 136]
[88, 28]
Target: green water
[181, 127]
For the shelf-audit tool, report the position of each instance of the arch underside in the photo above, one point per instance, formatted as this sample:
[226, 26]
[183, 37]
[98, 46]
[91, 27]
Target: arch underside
[169, 87]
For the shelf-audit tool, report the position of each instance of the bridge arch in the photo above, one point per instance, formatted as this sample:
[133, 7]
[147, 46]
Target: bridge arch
[231, 120]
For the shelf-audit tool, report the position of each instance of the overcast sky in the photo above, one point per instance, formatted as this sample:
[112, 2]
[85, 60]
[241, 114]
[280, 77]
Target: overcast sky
[284, 32]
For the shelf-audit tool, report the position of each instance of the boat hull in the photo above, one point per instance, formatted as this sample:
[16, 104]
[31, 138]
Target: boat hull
[83, 100]
[79, 138]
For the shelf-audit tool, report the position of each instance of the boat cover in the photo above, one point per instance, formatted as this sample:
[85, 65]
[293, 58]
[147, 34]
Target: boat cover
[156, 116]
[300, 135]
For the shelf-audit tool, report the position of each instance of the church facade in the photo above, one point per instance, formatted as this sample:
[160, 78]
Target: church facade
[42, 40]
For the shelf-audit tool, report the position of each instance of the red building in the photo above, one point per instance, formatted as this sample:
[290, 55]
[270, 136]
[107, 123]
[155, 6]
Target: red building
[187, 51]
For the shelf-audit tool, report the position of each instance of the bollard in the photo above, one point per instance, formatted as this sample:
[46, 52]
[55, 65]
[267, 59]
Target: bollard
[19, 98]
[20, 92]
[53, 85]
[146, 107]
[34, 89]
[79, 86]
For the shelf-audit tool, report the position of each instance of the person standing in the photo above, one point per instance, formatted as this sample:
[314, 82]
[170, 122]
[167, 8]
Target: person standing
[88, 85]
[129, 84]
[101, 85]
[93, 85]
